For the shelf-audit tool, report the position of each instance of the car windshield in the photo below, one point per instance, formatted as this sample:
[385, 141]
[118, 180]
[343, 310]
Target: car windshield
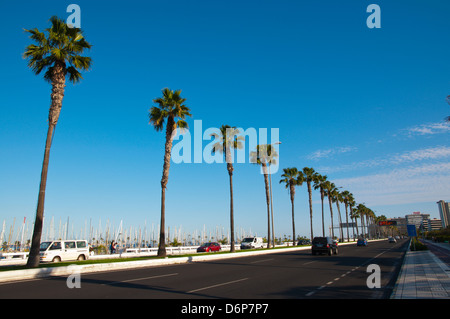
[247, 240]
[44, 245]
[205, 245]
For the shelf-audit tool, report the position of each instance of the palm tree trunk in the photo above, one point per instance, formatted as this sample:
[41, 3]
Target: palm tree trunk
[33, 259]
[363, 225]
[230, 173]
[266, 181]
[162, 232]
[165, 178]
[323, 220]
[57, 95]
[346, 220]
[331, 213]
[292, 190]
[310, 209]
[341, 233]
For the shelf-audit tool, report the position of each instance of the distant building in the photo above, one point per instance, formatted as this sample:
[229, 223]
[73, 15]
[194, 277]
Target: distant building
[444, 213]
[418, 219]
[434, 224]
[401, 224]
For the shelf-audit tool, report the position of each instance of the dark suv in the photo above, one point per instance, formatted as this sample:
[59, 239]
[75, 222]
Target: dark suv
[324, 245]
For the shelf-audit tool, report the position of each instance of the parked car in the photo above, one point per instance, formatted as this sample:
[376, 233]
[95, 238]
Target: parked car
[252, 242]
[303, 242]
[361, 242]
[208, 247]
[324, 245]
[64, 250]
[391, 240]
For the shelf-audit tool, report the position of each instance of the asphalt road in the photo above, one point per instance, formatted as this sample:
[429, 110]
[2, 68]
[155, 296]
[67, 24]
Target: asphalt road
[291, 275]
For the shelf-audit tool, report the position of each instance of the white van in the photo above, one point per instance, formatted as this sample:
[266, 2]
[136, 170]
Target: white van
[64, 250]
[252, 242]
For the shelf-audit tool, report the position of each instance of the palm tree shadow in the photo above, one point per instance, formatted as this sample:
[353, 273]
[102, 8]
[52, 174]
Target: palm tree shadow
[173, 293]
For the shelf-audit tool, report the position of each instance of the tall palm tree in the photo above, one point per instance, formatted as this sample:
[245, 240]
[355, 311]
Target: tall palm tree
[329, 192]
[337, 198]
[354, 214]
[265, 155]
[319, 185]
[171, 108]
[351, 204]
[292, 177]
[310, 177]
[362, 209]
[57, 52]
[228, 139]
[370, 217]
[346, 196]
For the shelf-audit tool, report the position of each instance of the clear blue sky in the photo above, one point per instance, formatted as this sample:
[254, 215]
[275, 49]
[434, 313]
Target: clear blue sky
[363, 106]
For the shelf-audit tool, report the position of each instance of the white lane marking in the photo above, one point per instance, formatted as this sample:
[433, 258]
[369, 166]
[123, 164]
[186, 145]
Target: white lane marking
[137, 279]
[260, 261]
[218, 285]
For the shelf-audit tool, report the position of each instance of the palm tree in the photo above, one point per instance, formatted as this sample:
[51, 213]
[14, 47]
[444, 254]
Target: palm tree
[171, 107]
[57, 51]
[337, 198]
[329, 189]
[346, 196]
[362, 209]
[351, 204]
[319, 184]
[354, 214]
[265, 155]
[370, 217]
[310, 177]
[229, 139]
[292, 178]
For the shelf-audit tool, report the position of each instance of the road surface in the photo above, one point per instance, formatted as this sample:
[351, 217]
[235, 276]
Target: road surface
[288, 275]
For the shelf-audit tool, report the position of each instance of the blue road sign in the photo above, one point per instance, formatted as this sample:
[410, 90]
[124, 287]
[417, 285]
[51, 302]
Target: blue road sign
[411, 230]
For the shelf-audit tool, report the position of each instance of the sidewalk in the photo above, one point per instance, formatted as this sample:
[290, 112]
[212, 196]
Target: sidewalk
[423, 275]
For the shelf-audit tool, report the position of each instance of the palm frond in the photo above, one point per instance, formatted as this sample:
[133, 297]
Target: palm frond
[157, 117]
[74, 75]
[182, 125]
[58, 44]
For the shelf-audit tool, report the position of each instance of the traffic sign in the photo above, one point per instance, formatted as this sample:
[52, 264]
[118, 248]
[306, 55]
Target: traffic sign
[411, 230]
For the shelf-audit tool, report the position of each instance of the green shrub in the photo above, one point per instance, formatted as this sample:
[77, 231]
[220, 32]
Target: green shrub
[417, 245]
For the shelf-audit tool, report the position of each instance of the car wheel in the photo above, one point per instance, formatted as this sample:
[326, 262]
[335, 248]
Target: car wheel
[336, 251]
[81, 257]
[329, 252]
[56, 259]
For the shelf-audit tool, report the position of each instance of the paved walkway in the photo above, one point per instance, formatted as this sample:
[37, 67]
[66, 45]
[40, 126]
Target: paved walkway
[424, 275]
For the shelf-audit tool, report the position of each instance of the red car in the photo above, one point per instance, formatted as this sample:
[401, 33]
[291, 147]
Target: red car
[207, 247]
